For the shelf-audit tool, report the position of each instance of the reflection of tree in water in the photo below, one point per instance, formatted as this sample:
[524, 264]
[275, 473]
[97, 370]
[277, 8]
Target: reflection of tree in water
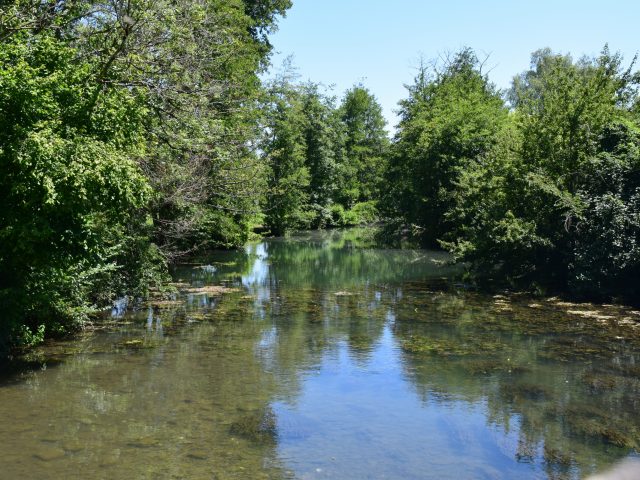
[322, 288]
[195, 407]
[572, 395]
[310, 324]
[200, 403]
[340, 263]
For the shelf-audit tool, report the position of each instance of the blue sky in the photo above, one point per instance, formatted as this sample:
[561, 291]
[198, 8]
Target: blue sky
[378, 43]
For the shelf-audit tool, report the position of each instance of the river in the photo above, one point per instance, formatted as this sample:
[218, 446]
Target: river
[322, 357]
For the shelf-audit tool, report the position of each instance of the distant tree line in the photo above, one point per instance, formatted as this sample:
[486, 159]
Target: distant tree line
[325, 163]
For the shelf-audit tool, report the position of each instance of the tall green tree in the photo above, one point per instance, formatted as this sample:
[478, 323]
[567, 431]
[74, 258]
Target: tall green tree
[452, 116]
[287, 196]
[366, 142]
[323, 140]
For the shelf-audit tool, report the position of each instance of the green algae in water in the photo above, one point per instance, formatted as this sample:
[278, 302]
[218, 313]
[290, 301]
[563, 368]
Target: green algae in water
[259, 427]
[417, 344]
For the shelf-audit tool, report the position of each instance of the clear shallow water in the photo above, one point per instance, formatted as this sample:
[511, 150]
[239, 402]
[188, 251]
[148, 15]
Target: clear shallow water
[330, 361]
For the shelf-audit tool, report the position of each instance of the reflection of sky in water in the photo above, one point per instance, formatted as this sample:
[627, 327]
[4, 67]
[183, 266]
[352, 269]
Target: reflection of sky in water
[257, 280]
[120, 307]
[372, 408]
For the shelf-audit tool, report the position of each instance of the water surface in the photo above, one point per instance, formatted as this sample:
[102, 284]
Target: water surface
[329, 358]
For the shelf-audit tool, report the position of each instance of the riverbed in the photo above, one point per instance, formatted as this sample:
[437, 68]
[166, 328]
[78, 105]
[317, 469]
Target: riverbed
[323, 356]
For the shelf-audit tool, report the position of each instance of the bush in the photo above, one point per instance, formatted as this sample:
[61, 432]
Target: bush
[71, 194]
[364, 213]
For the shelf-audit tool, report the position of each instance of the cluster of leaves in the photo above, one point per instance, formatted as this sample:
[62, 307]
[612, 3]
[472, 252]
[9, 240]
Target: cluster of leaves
[127, 134]
[541, 191]
[325, 163]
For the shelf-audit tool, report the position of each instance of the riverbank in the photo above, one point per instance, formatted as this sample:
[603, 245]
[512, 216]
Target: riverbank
[371, 237]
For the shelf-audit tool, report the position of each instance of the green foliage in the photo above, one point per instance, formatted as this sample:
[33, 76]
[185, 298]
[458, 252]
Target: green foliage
[27, 338]
[263, 14]
[127, 138]
[325, 163]
[323, 149]
[551, 200]
[361, 214]
[606, 253]
[338, 216]
[450, 118]
[68, 190]
[364, 213]
[362, 169]
[288, 194]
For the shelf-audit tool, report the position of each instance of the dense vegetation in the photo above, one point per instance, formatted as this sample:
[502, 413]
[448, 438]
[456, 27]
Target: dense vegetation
[134, 133]
[125, 142]
[539, 189]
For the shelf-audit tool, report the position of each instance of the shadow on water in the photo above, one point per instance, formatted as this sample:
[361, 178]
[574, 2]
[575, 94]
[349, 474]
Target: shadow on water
[326, 357]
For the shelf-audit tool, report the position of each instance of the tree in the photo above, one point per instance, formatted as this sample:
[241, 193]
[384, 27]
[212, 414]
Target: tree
[72, 195]
[366, 142]
[323, 150]
[554, 203]
[323, 160]
[129, 132]
[450, 118]
[287, 197]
